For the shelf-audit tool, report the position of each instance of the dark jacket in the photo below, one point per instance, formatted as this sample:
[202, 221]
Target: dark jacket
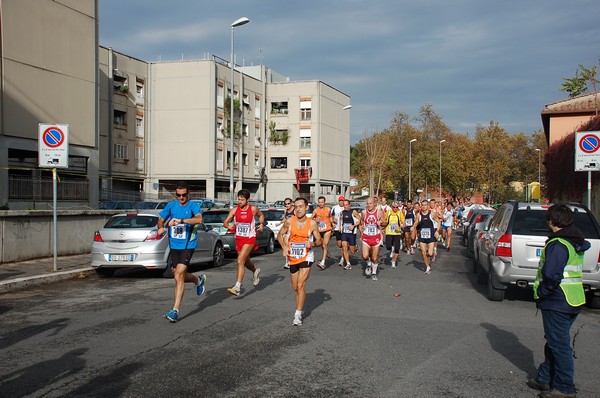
[549, 291]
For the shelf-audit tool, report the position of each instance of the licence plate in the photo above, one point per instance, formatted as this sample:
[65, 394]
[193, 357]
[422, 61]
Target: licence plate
[538, 252]
[120, 257]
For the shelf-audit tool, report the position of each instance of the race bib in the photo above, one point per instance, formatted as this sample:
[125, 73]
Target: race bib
[394, 227]
[409, 222]
[346, 229]
[426, 233]
[179, 231]
[242, 229]
[297, 250]
[371, 230]
[322, 225]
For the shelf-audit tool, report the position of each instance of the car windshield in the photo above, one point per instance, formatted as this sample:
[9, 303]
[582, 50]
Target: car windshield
[273, 215]
[214, 218]
[132, 222]
[107, 205]
[147, 205]
[533, 222]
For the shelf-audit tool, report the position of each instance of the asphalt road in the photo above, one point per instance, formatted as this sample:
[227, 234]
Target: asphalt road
[439, 338]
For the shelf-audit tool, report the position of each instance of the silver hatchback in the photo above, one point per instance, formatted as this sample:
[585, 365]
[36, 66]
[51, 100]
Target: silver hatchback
[510, 251]
[132, 241]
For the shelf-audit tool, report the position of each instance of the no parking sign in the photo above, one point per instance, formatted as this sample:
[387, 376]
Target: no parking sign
[53, 145]
[587, 151]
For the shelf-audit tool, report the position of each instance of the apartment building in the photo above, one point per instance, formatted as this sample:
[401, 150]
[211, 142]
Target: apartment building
[49, 75]
[137, 128]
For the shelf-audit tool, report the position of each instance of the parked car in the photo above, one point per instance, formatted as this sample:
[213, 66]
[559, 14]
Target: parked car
[132, 241]
[151, 205]
[205, 204]
[214, 218]
[272, 218]
[476, 224]
[478, 241]
[261, 204]
[280, 204]
[514, 241]
[472, 214]
[116, 205]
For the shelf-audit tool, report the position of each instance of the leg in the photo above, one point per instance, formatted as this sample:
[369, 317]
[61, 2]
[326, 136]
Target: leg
[299, 285]
[181, 276]
[449, 238]
[242, 260]
[326, 238]
[423, 247]
[366, 251]
[345, 254]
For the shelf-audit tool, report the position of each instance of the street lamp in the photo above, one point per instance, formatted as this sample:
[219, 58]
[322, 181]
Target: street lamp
[441, 141]
[410, 168]
[239, 22]
[342, 154]
[539, 151]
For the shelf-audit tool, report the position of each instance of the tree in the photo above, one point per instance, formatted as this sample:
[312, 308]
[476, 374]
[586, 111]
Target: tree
[580, 83]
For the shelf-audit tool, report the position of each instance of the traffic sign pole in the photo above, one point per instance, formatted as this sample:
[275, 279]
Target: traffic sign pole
[55, 218]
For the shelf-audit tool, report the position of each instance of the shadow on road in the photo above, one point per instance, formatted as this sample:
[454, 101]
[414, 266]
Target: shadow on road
[11, 338]
[508, 345]
[314, 300]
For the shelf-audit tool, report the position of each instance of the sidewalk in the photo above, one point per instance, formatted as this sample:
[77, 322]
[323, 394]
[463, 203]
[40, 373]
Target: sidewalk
[23, 274]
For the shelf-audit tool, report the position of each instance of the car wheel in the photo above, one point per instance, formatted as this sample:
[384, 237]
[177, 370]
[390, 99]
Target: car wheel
[594, 301]
[105, 272]
[494, 294]
[270, 248]
[218, 255]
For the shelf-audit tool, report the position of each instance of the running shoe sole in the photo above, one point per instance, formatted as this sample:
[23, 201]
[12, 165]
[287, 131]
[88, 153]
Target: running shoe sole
[233, 291]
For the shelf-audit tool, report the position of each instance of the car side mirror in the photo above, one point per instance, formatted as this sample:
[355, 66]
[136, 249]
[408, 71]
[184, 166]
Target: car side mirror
[466, 223]
[205, 227]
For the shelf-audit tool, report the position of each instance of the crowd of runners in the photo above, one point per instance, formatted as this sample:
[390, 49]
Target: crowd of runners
[399, 227]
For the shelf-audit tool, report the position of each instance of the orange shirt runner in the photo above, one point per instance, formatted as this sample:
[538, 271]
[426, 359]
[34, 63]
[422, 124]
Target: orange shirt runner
[299, 247]
[323, 217]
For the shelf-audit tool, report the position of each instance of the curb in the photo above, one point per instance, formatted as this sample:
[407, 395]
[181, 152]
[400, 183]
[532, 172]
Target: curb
[37, 280]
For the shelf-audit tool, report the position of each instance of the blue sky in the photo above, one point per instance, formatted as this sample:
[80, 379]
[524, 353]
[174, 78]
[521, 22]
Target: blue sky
[473, 60]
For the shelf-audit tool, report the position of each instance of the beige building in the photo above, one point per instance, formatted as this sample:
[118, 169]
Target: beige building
[48, 76]
[137, 128]
[564, 117]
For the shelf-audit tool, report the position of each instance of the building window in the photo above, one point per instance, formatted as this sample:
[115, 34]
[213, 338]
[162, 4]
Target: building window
[139, 92]
[139, 127]
[245, 159]
[257, 108]
[120, 118]
[245, 129]
[246, 100]
[305, 109]
[304, 162]
[220, 135]
[305, 134]
[279, 163]
[120, 84]
[139, 158]
[235, 159]
[120, 151]
[279, 108]
[219, 160]
[220, 95]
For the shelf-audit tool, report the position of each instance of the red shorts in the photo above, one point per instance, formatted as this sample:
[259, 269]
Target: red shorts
[241, 241]
[371, 240]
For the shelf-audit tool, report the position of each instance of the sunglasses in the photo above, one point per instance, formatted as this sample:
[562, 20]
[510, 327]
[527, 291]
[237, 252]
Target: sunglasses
[181, 195]
[288, 203]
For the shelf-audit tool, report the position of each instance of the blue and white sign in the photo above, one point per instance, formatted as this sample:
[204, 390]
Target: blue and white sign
[53, 145]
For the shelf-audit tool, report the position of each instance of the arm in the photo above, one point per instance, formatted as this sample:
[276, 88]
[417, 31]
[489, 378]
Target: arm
[227, 221]
[282, 236]
[382, 219]
[261, 218]
[196, 219]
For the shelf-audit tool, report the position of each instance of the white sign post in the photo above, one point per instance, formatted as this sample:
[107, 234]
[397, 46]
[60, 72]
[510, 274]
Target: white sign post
[587, 156]
[53, 152]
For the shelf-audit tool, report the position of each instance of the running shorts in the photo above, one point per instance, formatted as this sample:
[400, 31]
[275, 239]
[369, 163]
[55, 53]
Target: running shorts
[242, 241]
[350, 238]
[181, 256]
[295, 268]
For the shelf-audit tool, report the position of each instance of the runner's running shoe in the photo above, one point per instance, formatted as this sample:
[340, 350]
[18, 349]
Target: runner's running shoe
[368, 270]
[321, 264]
[348, 266]
[256, 277]
[236, 291]
[200, 285]
[172, 315]
[374, 277]
[428, 270]
[297, 320]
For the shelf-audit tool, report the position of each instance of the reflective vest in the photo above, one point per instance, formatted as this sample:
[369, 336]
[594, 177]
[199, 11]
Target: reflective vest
[572, 280]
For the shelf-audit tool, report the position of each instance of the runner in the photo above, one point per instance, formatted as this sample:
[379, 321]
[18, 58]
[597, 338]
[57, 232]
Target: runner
[409, 219]
[289, 212]
[382, 204]
[426, 227]
[350, 220]
[182, 214]
[336, 216]
[371, 221]
[298, 235]
[245, 238]
[322, 214]
[414, 234]
[448, 219]
[436, 215]
[394, 219]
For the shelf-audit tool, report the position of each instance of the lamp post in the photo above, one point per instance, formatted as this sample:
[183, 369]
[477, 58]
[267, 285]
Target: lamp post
[410, 168]
[239, 22]
[441, 141]
[342, 154]
[539, 151]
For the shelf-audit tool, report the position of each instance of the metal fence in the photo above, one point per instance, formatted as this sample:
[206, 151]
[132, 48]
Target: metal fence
[29, 188]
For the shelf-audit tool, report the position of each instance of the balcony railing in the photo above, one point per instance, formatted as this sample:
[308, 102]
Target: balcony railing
[28, 188]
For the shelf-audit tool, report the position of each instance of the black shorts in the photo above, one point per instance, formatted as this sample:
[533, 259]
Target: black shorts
[295, 268]
[393, 240]
[338, 235]
[350, 238]
[181, 256]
